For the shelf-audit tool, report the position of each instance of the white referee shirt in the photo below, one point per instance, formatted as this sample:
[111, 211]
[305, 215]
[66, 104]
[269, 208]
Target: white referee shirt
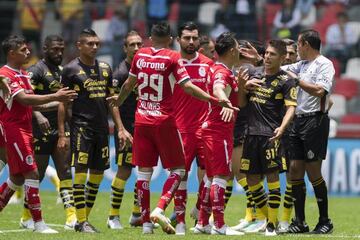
[320, 71]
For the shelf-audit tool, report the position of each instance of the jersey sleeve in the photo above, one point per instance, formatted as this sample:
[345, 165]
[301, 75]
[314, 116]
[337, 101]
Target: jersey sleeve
[220, 78]
[295, 67]
[325, 76]
[134, 70]
[15, 87]
[289, 92]
[66, 78]
[179, 71]
[35, 74]
[110, 87]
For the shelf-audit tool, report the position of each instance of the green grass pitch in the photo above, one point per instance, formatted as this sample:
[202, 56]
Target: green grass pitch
[345, 213]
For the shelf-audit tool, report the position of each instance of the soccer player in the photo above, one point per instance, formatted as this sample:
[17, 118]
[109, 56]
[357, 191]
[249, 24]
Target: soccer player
[123, 133]
[89, 128]
[217, 134]
[190, 114]
[155, 69]
[266, 125]
[207, 47]
[16, 118]
[309, 134]
[288, 203]
[254, 221]
[45, 79]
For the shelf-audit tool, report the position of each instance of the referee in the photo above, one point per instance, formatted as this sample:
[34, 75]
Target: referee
[309, 134]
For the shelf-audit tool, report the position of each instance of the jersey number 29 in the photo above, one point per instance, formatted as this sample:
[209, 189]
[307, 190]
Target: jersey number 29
[155, 82]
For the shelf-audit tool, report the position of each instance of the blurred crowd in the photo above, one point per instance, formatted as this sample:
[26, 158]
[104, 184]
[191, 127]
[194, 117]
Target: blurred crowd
[249, 19]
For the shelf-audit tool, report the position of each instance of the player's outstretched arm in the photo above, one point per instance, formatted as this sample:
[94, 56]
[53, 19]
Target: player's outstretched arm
[63, 95]
[290, 112]
[48, 107]
[195, 91]
[126, 88]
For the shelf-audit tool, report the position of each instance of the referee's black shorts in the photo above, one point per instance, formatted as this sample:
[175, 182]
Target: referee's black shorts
[309, 137]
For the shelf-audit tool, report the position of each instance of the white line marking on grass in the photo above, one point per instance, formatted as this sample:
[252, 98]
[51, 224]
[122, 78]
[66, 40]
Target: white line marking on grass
[322, 236]
[55, 225]
[13, 230]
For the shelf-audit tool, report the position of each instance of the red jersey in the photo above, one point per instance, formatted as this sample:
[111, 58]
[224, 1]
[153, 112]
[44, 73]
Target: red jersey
[191, 112]
[14, 114]
[221, 74]
[157, 71]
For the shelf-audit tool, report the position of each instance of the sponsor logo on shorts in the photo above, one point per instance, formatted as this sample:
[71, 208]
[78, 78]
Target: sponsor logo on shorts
[83, 158]
[29, 160]
[245, 164]
[310, 154]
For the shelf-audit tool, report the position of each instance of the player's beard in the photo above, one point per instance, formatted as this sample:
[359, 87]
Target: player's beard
[189, 50]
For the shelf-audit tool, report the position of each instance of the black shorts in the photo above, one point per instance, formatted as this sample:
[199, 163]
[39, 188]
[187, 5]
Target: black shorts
[45, 144]
[260, 156]
[239, 130]
[309, 137]
[123, 157]
[285, 153]
[89, 148]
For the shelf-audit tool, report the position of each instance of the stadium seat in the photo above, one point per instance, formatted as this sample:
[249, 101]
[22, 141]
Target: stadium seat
[328, 18]
[352, 69]
[346, 87]
[354, 105]
[355, 28]
[337, 66]
[339, 108]
[100, 27]
[206, 14]
[349, 126]
[353, 13]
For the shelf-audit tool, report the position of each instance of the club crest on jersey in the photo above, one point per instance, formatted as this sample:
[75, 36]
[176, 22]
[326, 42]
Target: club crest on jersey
[105, 73]
[219, 76]
[141, 63]
[29, 160]
[115, 82]
[275, 83]
[31, 74]
[202, 71]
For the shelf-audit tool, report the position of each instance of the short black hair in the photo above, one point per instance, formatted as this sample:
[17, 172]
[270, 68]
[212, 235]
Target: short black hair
[52, 38]
[87, 32]
[290, 42]
[312, 37]
[161, 29]
[12, 42]
[225, 42]
[129, 34]
[204, 40]
[279, 45]
[187, 26]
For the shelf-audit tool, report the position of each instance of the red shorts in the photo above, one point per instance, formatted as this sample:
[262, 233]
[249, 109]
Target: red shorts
[218, 153]
[150, 142]
[20, 152]
[194, 147]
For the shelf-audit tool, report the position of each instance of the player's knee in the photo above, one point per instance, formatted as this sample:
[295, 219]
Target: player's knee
[144, 176]
[180, 172]
[123, 172]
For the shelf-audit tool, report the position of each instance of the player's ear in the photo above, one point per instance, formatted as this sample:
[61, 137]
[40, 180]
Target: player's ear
[178, 39]
[78, 44]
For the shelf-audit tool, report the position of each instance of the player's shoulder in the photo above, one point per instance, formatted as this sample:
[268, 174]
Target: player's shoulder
[205, 60]
[38, 67]
[104, 65]
[324, 61]
[73, 64]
